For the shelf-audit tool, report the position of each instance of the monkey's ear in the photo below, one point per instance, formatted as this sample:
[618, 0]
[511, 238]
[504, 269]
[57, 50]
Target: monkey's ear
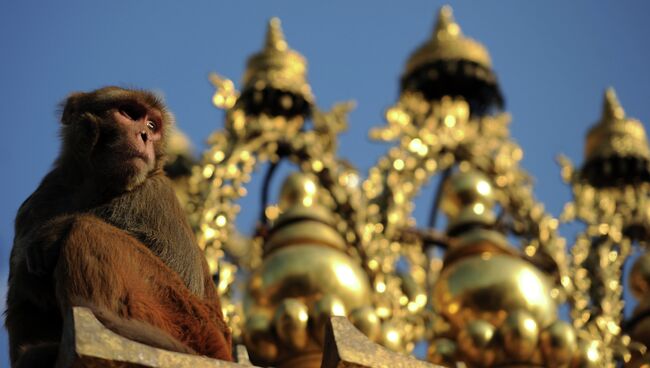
[71, 107]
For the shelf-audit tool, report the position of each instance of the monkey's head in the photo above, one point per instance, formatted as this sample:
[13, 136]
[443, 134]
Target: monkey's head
[114, 136]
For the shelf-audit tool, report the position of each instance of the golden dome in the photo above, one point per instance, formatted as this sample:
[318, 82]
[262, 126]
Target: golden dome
[305, 277]
[278, 66]
[448, 43]
[615, 134]
[489, 287]
[325, 280]
[303, 218]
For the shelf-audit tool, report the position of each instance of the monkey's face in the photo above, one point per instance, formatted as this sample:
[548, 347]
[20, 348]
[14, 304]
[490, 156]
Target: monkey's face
[126, 151]
[141, 130]
[116, 135]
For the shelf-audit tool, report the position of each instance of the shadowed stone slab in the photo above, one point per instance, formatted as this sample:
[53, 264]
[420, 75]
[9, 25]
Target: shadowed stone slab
[347, 347]
[87, 343]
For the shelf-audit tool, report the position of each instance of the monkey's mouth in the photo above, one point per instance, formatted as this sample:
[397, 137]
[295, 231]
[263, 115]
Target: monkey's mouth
[136, 155]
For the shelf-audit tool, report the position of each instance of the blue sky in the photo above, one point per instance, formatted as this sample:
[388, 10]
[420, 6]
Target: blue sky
[553, 59]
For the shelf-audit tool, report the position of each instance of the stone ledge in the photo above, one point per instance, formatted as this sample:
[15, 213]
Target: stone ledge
[87, 343]
[347, 347]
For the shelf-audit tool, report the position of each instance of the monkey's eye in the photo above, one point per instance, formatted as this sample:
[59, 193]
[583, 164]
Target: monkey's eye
[152, 125]
[133, 112]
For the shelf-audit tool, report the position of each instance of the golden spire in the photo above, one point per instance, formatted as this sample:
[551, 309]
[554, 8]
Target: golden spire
[446, 26]
[615, 134]
[448, 43]
[277, 66]
[612, 109]
[275, 37]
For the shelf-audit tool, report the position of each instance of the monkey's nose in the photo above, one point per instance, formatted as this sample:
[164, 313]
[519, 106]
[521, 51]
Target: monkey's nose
[144, 136]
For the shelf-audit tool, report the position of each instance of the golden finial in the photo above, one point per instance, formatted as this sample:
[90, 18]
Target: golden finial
[448, 43]
[446, 25]
[616, 135]
[612, 109]
[274, 36]
[278, 66]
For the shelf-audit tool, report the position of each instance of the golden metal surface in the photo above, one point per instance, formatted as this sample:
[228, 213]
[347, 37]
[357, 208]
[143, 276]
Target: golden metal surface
[336, 244]
[87, 343]
[477, 342]
[248, 141]
[448, 43]
[558, 343]
[291, 323]
[277, 66]
[520, 334]
[468, 199]
[305, 232]
[434, 136]
[310, 271]
[367, 321]
[490, 286]
[615, 134]
[305, 278]
[616, 217]
[298, 190]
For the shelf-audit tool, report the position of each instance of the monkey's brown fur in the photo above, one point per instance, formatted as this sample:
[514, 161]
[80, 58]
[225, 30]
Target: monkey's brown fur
[104, 230]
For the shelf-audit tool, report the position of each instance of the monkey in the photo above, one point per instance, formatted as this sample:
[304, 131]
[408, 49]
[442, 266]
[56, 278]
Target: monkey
[104, 230]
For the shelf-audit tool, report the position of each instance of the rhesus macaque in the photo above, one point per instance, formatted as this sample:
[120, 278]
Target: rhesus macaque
[104, 230]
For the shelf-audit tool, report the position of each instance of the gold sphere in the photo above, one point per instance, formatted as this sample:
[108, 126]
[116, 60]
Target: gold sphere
[307, 230]
[258, 337]
[308, 271]
[468, 197]
[326, 307]
[476, 341]
[298, 189]
[367, 321]
[442, 351]
[520, 335]
[392, 336]
[639, 281]
[291, 323]
[558, 343]
[489, 286]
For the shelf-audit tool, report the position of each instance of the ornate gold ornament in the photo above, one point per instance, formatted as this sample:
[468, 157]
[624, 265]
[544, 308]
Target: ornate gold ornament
[338, 245]
[611, 198]
[448, 43]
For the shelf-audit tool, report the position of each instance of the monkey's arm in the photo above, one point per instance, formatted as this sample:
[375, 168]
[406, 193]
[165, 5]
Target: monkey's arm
[131, 291]
[42, 245]
[42, 221]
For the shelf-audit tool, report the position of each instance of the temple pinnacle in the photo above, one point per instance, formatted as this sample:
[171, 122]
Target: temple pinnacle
[612, 109]
[274, 36]
[446, 25]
